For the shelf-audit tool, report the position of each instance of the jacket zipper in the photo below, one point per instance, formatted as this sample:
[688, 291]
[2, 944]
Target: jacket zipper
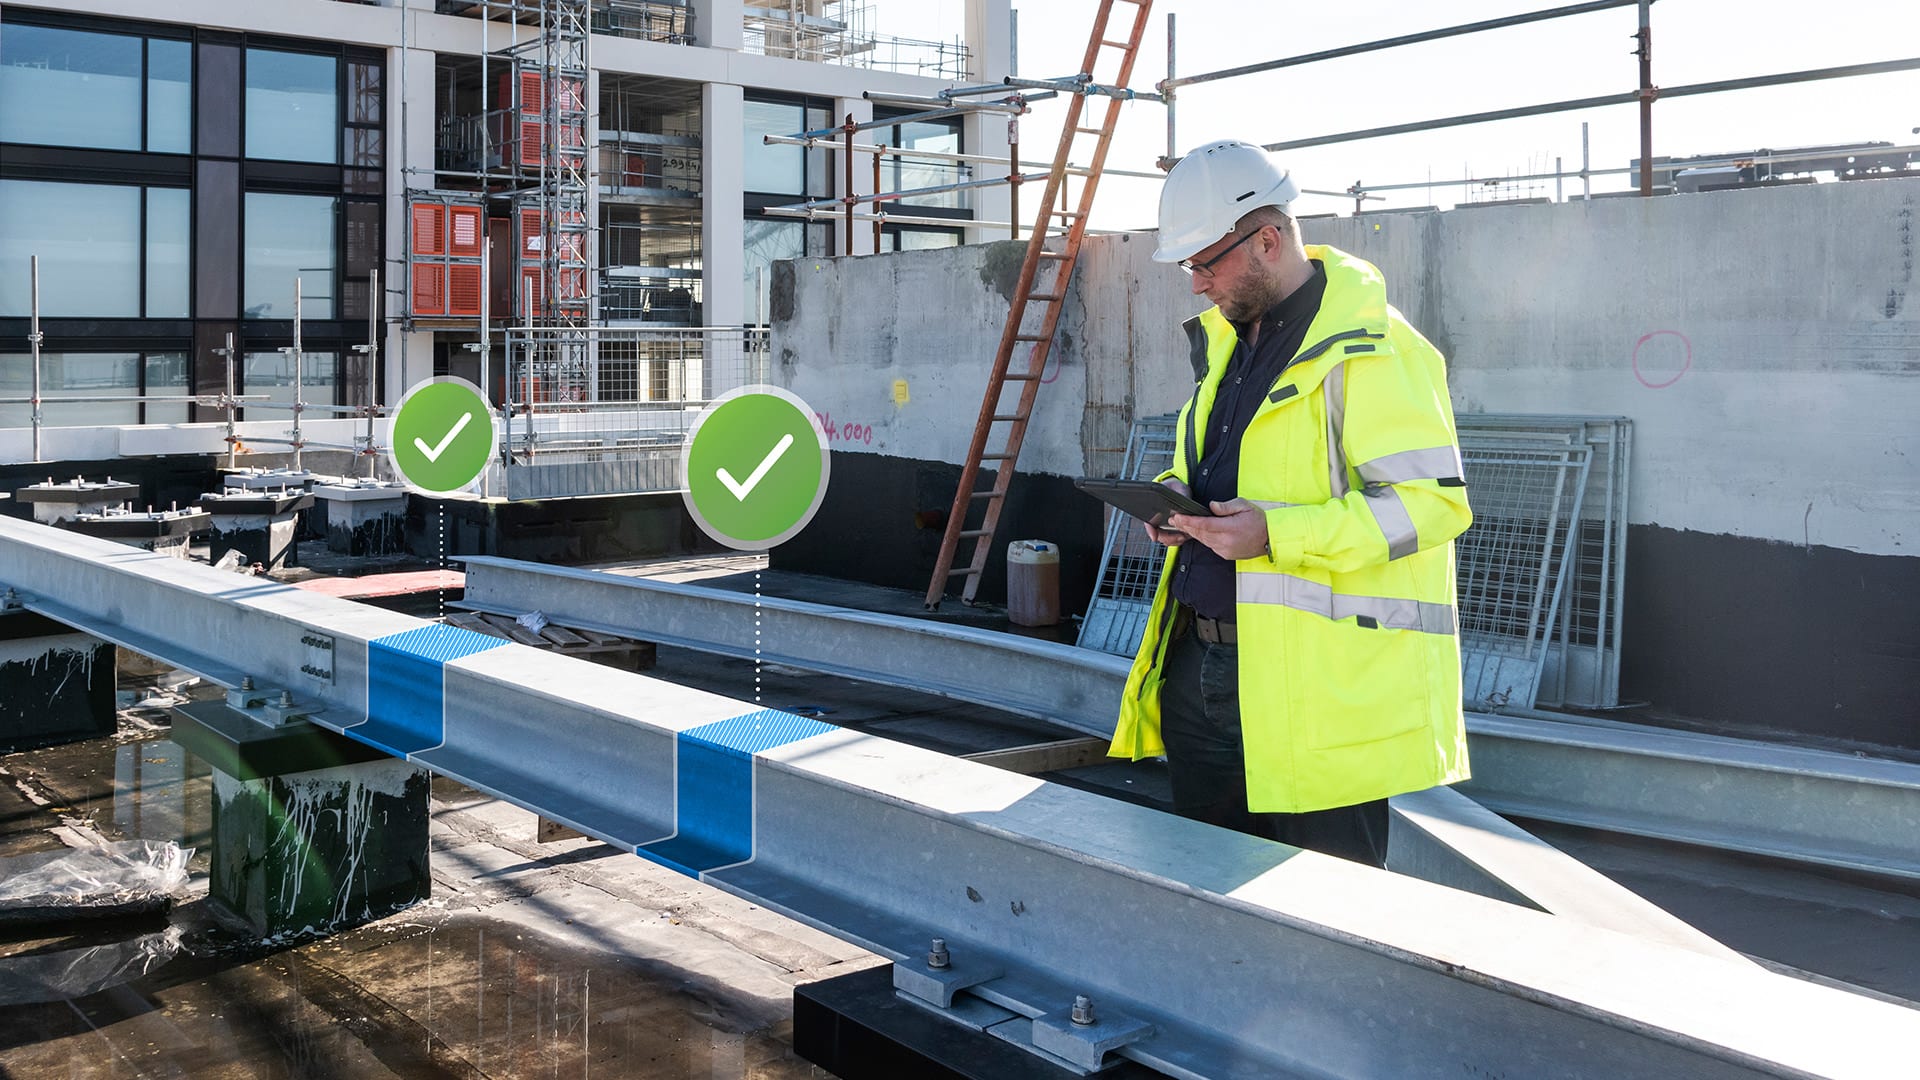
[1320, 347]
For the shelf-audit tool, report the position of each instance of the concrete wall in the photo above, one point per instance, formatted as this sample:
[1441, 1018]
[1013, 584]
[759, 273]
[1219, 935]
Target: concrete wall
[1762, 342]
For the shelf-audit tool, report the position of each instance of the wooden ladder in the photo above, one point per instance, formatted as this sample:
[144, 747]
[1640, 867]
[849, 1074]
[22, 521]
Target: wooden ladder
[1034, 314]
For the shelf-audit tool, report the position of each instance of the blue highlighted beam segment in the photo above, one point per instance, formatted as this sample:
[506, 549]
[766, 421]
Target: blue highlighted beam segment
[406, 686]
[713, 788]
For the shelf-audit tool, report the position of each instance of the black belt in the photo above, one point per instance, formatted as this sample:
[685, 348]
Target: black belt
[1211, 631]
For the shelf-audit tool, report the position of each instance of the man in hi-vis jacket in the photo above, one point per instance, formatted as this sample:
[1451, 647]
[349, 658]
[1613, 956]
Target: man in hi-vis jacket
[1301, 663]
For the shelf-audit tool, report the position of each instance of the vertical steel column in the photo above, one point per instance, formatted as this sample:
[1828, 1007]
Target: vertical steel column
[847, 196]
[33, 339]
[233, 440]
[1647, 94]
[376, 312]
[1166, 91]
[299, 372]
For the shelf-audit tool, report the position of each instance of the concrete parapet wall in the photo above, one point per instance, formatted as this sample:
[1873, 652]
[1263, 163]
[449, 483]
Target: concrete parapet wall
[1764, 342]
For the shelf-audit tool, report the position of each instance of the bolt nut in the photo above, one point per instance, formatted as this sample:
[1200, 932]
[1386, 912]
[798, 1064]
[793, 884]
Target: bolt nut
[937, 957]
[1083, 1010]
[246, 682]
[286, 699]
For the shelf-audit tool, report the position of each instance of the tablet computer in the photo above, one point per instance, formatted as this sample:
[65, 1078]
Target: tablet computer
[1147, 500]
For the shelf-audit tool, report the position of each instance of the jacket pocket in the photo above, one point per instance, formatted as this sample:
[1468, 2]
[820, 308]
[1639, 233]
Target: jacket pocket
[1368, 684]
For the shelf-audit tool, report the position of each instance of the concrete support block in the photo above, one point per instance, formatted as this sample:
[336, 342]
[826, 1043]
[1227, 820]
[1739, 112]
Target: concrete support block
[262, 526]
[56, 503]
[163, 532]
[56, 684]
[312, 832]
[723, 237]
[367, 518]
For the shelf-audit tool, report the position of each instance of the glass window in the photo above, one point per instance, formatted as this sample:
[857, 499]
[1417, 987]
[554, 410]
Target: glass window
[84, 88]
[88, 240]
[169, 250]
[905, 173]
[169, 96]
[271, 373]
[293, 106]
[768, 240]
[785, 169]
[363, 93]
[70, 375]
[288, 237]
[167, 374]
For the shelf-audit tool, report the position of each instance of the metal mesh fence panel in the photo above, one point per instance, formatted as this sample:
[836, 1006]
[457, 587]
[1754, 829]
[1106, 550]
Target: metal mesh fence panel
[1512, 564]
[606, 410]
[1129, 562]
[1583, 655]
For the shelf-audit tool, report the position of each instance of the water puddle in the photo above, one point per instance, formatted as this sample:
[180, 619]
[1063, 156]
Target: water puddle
[427, 993]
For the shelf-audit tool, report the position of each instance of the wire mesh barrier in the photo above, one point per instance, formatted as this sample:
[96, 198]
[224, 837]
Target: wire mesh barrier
[1582, 660]
[1538, 626]
[1512, 566]
[1129, 562]
[605, 410]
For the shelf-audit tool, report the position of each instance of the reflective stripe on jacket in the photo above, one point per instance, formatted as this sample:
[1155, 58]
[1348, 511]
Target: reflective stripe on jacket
[1349, 648]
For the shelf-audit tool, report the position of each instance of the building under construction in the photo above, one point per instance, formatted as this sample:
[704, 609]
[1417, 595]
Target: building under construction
[314, 767]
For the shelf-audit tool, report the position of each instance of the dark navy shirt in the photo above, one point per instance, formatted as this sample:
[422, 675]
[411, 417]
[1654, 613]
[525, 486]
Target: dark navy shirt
[1202, 580]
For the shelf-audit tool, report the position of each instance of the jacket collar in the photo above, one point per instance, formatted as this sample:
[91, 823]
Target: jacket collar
[1355, 299]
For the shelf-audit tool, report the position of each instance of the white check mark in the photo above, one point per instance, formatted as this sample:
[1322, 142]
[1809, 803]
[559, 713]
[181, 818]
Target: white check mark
[433, 452]
[740, 490]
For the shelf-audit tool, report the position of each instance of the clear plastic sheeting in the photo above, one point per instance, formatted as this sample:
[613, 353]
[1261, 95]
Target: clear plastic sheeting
[131, 877]
[75, 973]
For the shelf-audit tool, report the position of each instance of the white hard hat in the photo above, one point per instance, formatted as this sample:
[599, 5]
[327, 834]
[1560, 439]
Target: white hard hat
[1212, 188]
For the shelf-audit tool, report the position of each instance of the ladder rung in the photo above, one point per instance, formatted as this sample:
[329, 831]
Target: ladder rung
[1011, 377]
[1116, 44]
[962, 571]
[1091, 131]
[987, 494]
[1031, 337]
[1045, 296]
[1077, 170]
[1015, 416]
[1055, 255]
[972, 534]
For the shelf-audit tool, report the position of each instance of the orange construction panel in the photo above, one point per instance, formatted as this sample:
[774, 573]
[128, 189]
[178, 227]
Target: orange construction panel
[429, 289]
[429, 229]
[532, 100]
[463, 289]
[463, 232]
[530, 142]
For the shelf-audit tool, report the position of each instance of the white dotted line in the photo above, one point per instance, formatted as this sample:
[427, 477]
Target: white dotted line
[443, 563]
[756, 637]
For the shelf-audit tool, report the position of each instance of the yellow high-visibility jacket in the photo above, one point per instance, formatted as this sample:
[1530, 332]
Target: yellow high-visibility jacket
[1348, 639]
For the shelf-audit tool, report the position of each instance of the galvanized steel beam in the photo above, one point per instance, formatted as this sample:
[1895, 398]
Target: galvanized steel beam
[1215, 954]
[1784, 802]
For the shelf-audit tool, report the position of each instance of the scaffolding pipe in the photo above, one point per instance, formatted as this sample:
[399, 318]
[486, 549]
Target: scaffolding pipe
[1393, 42]
[233, 441]
[299, 371]
[1717, 86]
[376, 309]
[847, 194]
[1166, 90]
[1647, 94]
[908, 193]
[905, 219]
[33, 339]
[1585, 174]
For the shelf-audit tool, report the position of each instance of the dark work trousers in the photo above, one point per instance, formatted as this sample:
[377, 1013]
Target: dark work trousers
[1200, 723]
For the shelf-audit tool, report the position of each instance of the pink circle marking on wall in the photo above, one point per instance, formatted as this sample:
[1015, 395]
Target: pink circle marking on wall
[1686, 360]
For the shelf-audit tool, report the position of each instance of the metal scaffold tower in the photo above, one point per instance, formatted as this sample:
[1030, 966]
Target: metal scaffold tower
[527, 148]
[1038, 298]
